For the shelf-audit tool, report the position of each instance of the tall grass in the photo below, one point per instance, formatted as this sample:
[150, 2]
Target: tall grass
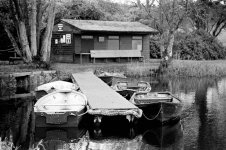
[140, 69]
[193, 68]
[132, 69]
[136, 69]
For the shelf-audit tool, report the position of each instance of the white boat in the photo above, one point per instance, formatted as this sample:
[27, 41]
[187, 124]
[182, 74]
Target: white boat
[53, 86]
[62, 107]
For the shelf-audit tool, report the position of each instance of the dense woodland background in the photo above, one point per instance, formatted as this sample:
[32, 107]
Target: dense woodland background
[187, 29]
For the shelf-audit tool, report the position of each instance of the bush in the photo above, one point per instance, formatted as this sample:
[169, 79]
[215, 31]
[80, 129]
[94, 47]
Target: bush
[154, 49]
[199, 45]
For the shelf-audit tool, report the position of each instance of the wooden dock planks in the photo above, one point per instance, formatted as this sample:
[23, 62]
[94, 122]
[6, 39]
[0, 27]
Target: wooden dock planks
[99, 94]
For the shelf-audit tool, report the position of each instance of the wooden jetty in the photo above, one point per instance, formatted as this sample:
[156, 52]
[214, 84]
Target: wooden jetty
[102, 99]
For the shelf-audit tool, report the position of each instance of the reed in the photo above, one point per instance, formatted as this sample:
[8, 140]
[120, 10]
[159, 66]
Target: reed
[216, 68]
[138, 69]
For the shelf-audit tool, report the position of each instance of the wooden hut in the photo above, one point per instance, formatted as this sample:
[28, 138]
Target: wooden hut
[85, 41]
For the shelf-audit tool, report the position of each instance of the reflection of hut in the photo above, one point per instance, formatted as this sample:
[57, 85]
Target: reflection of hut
[72, 40]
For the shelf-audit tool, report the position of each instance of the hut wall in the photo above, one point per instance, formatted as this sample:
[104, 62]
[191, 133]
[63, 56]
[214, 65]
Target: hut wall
[77, 39]
[100, 42]
[146, 48]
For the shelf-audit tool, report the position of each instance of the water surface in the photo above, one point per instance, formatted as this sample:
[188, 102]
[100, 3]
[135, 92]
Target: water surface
[202, 125]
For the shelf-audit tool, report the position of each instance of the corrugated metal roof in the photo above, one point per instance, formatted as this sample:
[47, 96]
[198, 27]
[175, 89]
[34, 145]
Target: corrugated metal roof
[109, 26]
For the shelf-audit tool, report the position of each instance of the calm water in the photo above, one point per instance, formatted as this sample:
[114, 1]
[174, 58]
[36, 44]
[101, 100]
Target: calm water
[202, 125]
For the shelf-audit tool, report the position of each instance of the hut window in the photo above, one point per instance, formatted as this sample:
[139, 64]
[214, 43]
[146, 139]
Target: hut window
[101, 39]
[137, 42]
[113, 42]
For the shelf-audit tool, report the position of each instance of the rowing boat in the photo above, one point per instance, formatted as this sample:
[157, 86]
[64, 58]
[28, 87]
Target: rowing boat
[160, 106]
[123, 88]
[60, 108]
[53, 86]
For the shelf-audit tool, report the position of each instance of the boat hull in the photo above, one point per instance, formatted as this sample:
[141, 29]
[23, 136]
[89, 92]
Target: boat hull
[62, 119]
[127, 93]
[107, 79]
[161, 111]
[62, 108]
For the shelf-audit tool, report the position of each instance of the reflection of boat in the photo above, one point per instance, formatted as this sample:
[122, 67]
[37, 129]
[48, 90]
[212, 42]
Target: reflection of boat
[52, 86]
[62, 107]
[58, 138]
[170, 136]
[164, 136]
[107, 77]
[161, 106]
[127, 91]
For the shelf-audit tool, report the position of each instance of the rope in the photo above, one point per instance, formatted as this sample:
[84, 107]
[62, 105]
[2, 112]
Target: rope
[110, 81]
[2, 50]
[153, 117]
[83, 113]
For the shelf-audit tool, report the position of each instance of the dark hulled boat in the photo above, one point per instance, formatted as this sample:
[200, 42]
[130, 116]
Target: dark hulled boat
[160, 106]
[107, 77]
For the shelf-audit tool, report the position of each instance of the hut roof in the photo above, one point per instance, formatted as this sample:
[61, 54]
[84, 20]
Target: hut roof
[109, 26]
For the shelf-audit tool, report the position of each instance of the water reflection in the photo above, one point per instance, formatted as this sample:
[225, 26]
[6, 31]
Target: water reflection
[17, 121]
[121, 136]
[58, 138]
[202, 125]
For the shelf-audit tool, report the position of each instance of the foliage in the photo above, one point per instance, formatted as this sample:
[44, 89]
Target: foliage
[209, 15]
[93, 10]
[154, 49]
[199, 45]
[80, 9]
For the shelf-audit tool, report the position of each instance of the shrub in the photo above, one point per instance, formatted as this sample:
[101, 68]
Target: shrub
[154, 49]
[199, 45]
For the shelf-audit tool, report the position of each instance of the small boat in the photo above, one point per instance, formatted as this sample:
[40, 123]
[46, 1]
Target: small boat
[161, 106]
[52, 86]
[60, 108]
[127, 91]
[107, 77]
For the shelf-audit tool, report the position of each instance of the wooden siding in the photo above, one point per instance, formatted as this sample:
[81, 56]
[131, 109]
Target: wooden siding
[100, 45]
[146, 48]
[62, 48]
[77, 40]
[66, 28]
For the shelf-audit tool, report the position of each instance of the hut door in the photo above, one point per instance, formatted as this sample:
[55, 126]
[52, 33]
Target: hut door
[87, 44]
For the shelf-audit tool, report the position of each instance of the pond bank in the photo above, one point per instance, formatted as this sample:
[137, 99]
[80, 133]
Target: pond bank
[129, 69]
[192, 68]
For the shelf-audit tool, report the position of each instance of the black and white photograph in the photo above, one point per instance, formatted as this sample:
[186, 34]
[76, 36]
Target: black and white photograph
[112, 74]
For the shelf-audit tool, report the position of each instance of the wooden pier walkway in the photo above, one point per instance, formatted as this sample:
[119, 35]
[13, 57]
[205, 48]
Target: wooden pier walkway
[102, 99]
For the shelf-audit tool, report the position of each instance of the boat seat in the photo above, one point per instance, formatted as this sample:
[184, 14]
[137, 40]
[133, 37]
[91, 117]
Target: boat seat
[122, 85]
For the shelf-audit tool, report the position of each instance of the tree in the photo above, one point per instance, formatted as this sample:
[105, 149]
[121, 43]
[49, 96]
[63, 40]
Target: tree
[29, 25]
[167, 17]
[209, 15]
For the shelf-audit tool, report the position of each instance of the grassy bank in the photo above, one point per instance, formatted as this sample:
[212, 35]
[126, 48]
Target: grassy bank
[129, 69]
[193, 68]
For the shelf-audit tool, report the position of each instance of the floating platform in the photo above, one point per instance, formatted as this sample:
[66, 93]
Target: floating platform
[102, 99]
